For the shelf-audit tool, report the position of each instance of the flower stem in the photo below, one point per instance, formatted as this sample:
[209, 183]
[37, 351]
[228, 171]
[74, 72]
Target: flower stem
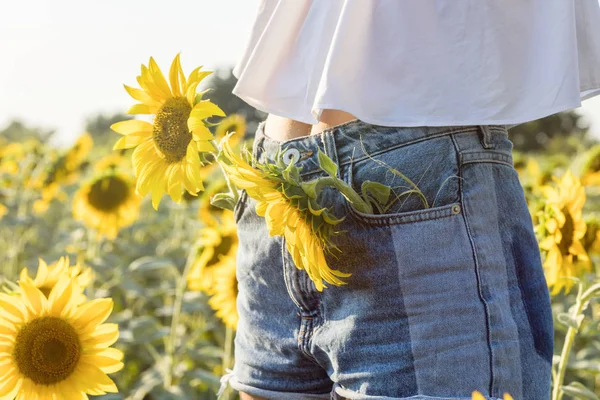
[228, 351]
[230, 185]
[179, 291]
[347, 191]
[580, 305]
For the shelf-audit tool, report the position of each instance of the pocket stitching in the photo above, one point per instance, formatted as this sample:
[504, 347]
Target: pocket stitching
[421, 215]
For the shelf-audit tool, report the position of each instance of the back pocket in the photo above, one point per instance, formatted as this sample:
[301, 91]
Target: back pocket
[429, 166]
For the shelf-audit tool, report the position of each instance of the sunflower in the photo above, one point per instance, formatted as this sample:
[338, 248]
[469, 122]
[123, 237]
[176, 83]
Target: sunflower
[211, 215]
[225, 291]
[233, 123]
[52, 348]
[478, 396]
[590, 171]
[3, 210]
[64, 170]
[166, 155]
[107, 204]
[288, 212]
[219, 247]
[562, 228]
[47, 276]
[110, 162]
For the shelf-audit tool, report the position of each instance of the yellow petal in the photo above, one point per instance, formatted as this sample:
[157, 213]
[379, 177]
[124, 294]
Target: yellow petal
[200, 131]
[104, 336]
[10, 386]
[34, 299]
[142, 109]
[132, 126]
[131, 140]
[92, 379]
[205, 146]
[61, 296]
[174, 76]
[205, 109]
[91, 314]
[141, 96]
[158, 77]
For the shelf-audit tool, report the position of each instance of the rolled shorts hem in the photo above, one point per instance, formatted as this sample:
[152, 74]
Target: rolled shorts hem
[274, 395]
[350, 395]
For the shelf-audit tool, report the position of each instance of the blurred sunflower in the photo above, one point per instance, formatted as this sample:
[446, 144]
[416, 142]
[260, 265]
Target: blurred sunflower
[110, 162]
[3, 211]
[10, 154]
[223, 299]
[65, 170]
[562, 228]
[478, 396]
[107, 203]
[233, 123]
[52, 348]
[211, 215]
[219, 248]
[288, 212]
[590, 171]
[166, 155]
[47, 276]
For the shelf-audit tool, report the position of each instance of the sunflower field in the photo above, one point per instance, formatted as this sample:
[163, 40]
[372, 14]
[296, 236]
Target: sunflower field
[117, 266]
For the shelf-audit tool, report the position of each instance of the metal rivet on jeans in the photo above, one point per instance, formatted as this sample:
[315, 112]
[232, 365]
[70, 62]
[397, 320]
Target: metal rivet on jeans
[456, 208]
[290, 155]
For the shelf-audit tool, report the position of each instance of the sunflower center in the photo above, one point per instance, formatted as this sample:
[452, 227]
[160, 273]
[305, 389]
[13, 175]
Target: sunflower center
[171, 134]
[108, 193]
[46, 290]
[223, 248]
[47, 350]
[594, 165]
[567, 231]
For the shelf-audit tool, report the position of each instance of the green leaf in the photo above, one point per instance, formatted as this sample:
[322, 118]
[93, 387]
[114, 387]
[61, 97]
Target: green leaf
[223, 200]
[570, 321]
[378, 190]
[327, 164]
[199, 96]
[331, 219]
[579, 391]
[310, 188]
[150, 264]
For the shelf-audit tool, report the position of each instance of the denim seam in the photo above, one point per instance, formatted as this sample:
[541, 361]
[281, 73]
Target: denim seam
[528, 311]
[286, 279]
[304, 338]
[397, 146]
[477, 275]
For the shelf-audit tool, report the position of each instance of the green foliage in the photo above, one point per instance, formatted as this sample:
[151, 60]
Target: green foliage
[562, 132]
[17, 131]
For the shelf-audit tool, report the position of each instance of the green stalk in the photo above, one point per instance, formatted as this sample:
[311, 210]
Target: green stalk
[179, 291]
[230, 185]
[228, 353]
[580, 306]
[347, 191]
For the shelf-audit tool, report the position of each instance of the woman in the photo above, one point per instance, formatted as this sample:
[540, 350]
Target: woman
[447, 293]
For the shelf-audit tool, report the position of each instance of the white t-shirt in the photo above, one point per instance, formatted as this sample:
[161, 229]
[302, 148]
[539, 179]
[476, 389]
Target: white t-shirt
[422, 62]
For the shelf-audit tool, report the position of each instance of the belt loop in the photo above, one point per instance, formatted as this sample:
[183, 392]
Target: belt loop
[486, 137]
[259, 138]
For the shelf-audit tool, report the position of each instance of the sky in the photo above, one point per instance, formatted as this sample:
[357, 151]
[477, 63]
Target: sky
[66, 60]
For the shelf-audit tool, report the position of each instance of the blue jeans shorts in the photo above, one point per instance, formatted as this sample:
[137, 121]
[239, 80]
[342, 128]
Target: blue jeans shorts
[445, 297]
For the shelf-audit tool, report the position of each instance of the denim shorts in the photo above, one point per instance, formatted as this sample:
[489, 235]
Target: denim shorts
[444, 298]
